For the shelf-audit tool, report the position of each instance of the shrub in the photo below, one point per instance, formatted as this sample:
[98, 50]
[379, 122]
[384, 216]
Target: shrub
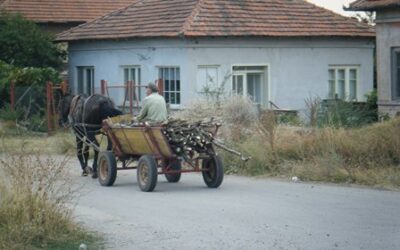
[24, 44]
[198, 110]
[323, 154]
[338, 113]
[10, 115]
[34, 193]
[30, 94]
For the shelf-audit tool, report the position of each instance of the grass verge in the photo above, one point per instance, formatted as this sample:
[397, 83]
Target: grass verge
[367, 156]
[34, 193]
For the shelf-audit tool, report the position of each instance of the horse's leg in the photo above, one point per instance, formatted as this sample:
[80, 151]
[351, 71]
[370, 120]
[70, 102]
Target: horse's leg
[92, 138]
[86, 157]
[81, 157]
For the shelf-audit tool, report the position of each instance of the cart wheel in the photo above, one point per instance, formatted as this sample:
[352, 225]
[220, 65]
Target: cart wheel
[215, 174]
[176, 165]
[147, 173]
[107, 168]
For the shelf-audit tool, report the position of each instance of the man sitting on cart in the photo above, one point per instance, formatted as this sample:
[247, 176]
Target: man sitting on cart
[154, 108]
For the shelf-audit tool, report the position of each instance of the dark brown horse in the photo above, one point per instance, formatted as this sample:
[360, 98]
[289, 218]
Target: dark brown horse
[84, 114]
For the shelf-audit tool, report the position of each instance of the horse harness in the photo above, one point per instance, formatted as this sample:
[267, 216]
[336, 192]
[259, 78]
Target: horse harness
[78, 127]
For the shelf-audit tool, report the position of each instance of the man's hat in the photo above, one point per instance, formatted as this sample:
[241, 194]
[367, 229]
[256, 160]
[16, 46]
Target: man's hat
[152, 87]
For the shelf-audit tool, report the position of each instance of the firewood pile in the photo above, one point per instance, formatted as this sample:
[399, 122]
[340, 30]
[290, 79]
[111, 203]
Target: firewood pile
[189, 139]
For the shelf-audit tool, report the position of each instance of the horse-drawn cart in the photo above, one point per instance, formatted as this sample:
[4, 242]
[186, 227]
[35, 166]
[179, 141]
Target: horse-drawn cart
[147, 149]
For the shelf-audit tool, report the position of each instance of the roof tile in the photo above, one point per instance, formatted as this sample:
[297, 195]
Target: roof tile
[174, 18]
[62, 11]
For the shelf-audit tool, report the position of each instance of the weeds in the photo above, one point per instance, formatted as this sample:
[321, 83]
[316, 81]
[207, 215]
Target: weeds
[369, 155]
[60, 143]
[34, 193]
[330, 153]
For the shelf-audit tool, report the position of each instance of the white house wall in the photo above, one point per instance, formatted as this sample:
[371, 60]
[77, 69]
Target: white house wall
[297, 68]
[387, 38]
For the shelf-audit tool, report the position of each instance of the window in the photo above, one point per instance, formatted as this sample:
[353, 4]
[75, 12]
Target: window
[396, 73]
[85, 80]
[172, 84]
[207, 78]
[132, 73]
[250, 81]
[343, 83]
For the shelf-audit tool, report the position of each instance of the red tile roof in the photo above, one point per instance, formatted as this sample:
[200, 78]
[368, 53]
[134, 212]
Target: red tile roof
[62, 11]
[199, 18]
[370, 5]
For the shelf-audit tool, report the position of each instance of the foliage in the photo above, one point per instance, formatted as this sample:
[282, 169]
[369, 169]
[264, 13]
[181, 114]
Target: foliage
[348, 147]
[372, 103]
[362, 155]
[367, 17]
[30, 94]
[239, 110]
[339, 113]
[24, 44]
[26, 76]
[288, 118]
[34, 193]
[214, 91]
[313, 104]
[7, 114]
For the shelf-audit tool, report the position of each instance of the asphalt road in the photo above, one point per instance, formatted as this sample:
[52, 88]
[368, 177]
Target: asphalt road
[244, 213]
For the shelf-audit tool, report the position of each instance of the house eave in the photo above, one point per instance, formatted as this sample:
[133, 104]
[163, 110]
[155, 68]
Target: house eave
[366, 8]
[368, 36]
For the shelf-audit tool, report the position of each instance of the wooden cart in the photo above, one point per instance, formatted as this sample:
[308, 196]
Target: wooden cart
[146, 149]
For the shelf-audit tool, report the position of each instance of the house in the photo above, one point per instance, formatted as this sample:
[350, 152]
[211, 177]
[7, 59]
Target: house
[274, 51]
[387, 50]
[59, 15]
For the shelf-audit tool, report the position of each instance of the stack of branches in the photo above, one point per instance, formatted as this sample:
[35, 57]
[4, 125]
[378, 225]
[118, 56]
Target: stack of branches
[191, 139]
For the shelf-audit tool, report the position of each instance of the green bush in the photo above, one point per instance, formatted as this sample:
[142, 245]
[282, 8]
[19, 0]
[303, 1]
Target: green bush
[339, 113]
[26, 76]
[289, 119]
[30, 94]
[24, 44]
[7, 114]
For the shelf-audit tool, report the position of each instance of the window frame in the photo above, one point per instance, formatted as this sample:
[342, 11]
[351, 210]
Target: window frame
[169, 91]
[84, 79]
[347, 82]
[395, 68]
[207, 67]
[137, 81]
[264, 81]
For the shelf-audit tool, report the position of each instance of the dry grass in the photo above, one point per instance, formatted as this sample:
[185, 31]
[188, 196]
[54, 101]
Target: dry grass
[368, 156]
[34, 193]
[60, 143]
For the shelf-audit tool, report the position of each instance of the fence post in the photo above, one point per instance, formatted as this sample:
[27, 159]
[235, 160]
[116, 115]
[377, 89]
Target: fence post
[12, 95]
[64, 87]
[136, 90]
[48, 107]
[130, 93]
[103, 87]
[160, 86]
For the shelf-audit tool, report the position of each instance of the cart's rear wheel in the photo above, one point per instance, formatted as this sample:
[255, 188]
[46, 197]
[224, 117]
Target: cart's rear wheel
[147, 173]
[176, 165]
[214, 174]
[107, 168]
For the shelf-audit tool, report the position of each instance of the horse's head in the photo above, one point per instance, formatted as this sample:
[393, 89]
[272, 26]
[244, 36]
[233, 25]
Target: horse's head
[64, 108]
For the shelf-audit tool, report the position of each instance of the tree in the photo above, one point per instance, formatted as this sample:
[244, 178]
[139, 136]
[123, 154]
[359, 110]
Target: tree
[24, 44]
[368, 17]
